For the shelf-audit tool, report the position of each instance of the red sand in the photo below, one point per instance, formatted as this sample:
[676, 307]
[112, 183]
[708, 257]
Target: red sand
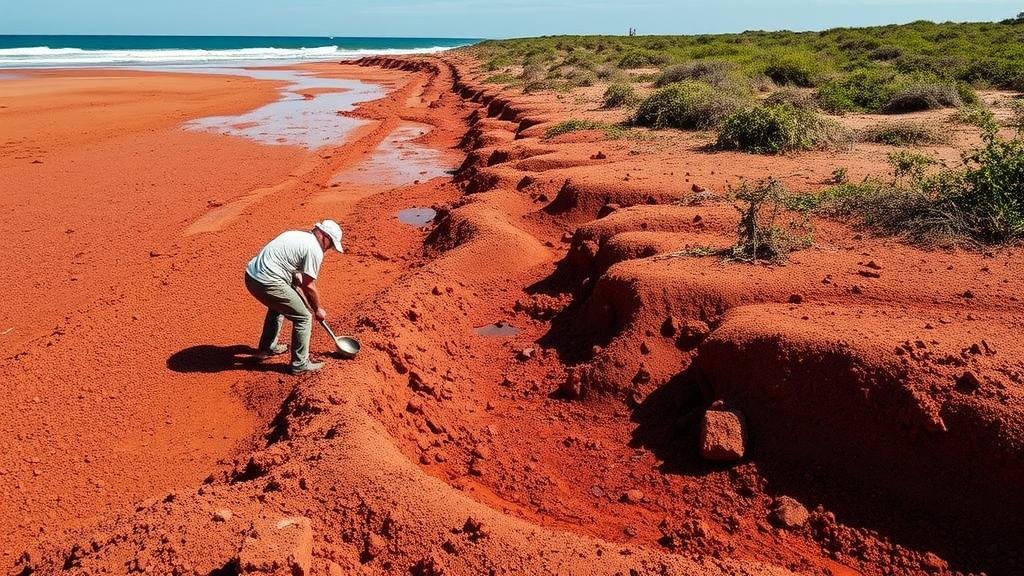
[136, 438]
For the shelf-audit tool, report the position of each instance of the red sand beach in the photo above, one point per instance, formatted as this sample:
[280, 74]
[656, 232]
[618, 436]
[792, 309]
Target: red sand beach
[138, 436]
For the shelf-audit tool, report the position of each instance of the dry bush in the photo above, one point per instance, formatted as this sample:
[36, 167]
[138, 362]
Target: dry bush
[905, 134]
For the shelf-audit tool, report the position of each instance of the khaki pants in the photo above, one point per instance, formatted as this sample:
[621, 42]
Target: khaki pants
[282, 301]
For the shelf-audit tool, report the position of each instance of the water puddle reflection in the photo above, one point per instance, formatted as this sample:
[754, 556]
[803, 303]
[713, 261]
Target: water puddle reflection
[418, 217]
[398, 160]
[306, 115]
[500, 328]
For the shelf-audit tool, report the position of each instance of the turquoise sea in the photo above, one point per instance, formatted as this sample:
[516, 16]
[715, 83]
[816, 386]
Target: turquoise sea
[27, 51]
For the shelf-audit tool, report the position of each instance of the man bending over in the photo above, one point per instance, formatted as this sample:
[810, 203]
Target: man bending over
[287, 265]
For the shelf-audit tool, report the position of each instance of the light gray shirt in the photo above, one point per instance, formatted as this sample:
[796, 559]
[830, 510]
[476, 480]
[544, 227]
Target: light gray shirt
[293, 251]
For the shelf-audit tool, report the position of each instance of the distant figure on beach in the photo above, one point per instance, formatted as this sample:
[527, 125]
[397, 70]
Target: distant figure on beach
[632, 31]
[283, 278]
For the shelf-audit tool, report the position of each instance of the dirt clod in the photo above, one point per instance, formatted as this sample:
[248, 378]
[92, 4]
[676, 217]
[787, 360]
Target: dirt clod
[787, 513]
[275, 546]
[722, 436]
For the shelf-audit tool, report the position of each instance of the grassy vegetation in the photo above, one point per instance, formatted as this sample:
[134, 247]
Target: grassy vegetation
[778, 128]
[979, 202]
[718, 82]
[611, 131]
[885, 67]
[619, 94]
[905, 134]
[687, 105]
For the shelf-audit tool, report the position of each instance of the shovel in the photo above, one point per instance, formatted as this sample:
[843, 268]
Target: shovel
[346, 346]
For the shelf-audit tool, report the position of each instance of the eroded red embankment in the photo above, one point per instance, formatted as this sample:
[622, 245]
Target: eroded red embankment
[329, 458]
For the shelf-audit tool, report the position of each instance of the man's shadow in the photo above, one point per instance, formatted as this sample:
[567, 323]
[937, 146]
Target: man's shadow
[207, 358]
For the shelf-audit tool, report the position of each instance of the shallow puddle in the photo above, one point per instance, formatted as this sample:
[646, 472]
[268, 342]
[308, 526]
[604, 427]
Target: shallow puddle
[398, 160]
[418, 217]
[500, 328]
[304, 116]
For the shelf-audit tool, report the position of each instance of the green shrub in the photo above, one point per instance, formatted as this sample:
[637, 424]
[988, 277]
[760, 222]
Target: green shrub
[975, 116]
[1017, 116]
[905, 134]
[581, 58]
[773, 129]
[919, 97]
[967, 94]
[981, 203]
[794, 68]
[839, 176]
[713, 72]
[608, 73]
[643, 77]
[909, 212]
[796, 98]
[619, 95]
[503, 78]
[642, 59]
[886, 53]
[687, 105]
[994, 195]
[909, 165]
[864, 90]
[580, 77]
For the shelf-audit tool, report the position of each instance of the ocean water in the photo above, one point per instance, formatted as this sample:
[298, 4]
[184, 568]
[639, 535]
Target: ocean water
[25, 51]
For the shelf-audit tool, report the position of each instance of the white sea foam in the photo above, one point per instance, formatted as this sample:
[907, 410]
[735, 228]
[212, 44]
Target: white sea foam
[55, 57]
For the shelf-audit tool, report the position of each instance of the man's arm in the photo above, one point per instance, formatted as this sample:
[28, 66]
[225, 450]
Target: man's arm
[308, 286]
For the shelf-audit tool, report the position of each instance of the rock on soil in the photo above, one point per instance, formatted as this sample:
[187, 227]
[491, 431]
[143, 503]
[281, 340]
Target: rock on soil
[722, 436]
[280, 547]
[788, 513]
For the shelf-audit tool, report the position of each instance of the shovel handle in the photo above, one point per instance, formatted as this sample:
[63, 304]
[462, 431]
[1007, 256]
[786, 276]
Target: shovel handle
[329, 331]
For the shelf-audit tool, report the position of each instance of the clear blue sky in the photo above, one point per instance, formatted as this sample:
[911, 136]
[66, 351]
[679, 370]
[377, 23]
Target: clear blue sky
[473, 18]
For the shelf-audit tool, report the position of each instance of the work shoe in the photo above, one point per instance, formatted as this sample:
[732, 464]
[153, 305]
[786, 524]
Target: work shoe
[308, 367]
[275, 351]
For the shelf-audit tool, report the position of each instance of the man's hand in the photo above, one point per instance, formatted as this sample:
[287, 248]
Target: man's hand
[320, 314]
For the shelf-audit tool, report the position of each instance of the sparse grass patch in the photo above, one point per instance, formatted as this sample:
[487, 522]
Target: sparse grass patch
[773, 129]
[539, 86]
[975, 116]
[1017, 116]
[503, 78]
[611, 131]
[687, 105]
[498, 62]
[643, 77]
[904, 134]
